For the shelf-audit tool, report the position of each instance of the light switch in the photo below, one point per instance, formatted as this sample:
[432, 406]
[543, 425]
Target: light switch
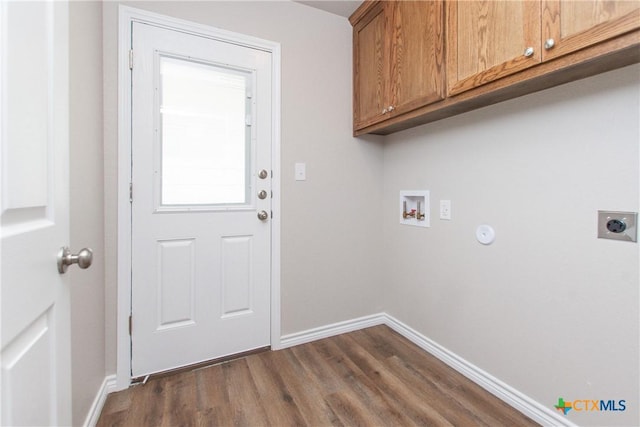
[301, 171]
[445, 209]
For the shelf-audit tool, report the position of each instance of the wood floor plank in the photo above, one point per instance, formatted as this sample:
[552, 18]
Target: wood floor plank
[316, 361]
[402, 398]
[277, 398]
[372, 377]
[179, 407]
[400, 381]
[147, 404]
[307, 394]
[364, 387]
[213, 397]
[245, 402]
[451, 384]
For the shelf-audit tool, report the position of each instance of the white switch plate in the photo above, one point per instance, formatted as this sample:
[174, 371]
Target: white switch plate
[301, 172]
[445, 209]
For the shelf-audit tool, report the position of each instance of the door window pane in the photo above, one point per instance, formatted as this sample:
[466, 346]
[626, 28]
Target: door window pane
[206, 136]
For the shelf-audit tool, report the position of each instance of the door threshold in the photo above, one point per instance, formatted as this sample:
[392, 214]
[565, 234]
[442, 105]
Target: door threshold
[142, 380]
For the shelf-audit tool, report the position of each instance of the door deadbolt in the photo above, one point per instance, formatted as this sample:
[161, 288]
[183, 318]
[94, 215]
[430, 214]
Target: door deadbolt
[263, 174]
[262, 195]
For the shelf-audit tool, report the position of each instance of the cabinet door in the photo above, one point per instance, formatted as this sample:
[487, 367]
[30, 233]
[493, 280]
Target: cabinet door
[573, 25]
[417, 68]
[487, 40]
[371, 69]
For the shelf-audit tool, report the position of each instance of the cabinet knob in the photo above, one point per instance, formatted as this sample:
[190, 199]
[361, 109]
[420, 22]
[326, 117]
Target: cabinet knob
[549, 44]
[528, 52]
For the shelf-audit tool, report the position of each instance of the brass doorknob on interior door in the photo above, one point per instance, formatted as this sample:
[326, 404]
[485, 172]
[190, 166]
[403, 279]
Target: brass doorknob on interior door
[84, 258]
[549, 44]
[263, 215]
[528, 52]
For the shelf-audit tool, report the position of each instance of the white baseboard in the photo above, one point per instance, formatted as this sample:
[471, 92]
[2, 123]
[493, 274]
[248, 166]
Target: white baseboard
[108, 386]
[331, 330]
[528, 406]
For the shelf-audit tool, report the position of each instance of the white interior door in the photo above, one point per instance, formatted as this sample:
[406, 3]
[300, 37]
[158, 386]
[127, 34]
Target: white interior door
[35, 355]
[201, 133]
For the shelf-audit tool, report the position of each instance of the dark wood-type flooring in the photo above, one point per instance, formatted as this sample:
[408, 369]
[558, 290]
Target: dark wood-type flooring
[372, 377]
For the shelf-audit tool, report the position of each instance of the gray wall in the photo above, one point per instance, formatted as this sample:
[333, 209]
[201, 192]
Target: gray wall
[331, 244]
[548, 308]
[87, 204]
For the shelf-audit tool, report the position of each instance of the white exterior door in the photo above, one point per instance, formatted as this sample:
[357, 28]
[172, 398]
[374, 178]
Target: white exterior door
[201, 134]
[35, 356]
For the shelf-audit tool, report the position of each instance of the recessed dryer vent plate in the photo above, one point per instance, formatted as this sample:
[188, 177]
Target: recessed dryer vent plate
[414, 208]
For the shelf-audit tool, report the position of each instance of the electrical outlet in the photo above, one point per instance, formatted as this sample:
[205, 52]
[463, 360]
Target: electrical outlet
[617, 225]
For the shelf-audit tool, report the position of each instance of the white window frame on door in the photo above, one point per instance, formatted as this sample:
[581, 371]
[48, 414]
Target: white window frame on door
[127, 16]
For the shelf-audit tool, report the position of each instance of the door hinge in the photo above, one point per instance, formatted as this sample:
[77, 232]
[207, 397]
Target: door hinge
[130, 192]
[131, 59]
[130, 324]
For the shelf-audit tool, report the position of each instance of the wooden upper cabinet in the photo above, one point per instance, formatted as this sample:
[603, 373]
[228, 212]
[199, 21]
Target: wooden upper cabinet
[417, 58]
[398, 58]
[493, 50]
[572, 25]
[488, 39]
[370, 67]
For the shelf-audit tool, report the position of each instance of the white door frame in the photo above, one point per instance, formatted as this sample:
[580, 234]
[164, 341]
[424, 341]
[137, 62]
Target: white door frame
[127, 16]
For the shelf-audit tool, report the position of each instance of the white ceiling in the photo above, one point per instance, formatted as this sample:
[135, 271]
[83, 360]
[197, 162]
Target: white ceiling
[338, 7]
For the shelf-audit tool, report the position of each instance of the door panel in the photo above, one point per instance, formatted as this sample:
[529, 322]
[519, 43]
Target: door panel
[486, 40]
[35, 354]
[574, 25]
[236, 275]
[371, 74]
[176, 281]
[200, 255]
[417, 55]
